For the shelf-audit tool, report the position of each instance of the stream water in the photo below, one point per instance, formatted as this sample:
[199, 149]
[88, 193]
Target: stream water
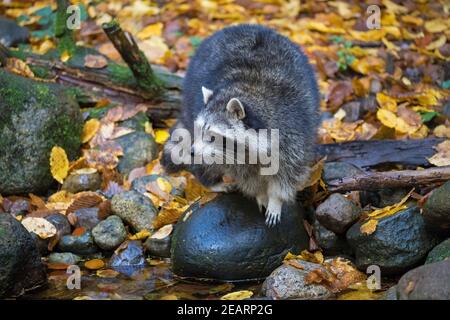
[151, 282]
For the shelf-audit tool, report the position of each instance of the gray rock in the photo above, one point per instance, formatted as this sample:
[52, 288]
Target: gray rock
[135, 209]
[137, 122]
[353, 111]
[437, 209]
[64, 258]
[330, 243]
[399, 242]
[11, 34]
[21, 268]
[439, 253]
[110, 233]
[337, 213]
[139, 148]
[390, 294]
[19, 207]
[36, 116]
[338, 170]
[158, 247]
[129, 254]
[287, 282]
[428, 282]
[87, 218]
[82, 182]
[61, 223]
[82, 245]
[227, 239]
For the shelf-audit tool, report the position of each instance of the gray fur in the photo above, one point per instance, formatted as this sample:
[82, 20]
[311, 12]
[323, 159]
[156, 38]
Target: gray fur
[273, 80]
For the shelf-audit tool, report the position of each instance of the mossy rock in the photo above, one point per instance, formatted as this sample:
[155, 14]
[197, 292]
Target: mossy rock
[34, 117]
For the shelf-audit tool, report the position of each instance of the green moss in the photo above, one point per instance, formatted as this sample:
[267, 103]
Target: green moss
[121, 74]
[35, 117]
[40, 72]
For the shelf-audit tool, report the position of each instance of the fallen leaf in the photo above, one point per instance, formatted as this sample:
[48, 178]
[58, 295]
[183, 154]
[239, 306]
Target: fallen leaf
[59, 164]
[107, 273]
[161, 136]
[369, 227]
[95, 61]
[90, 129]
[163, 232]
[141, 235]
[94, 264]
[40, 226]
[237, 295]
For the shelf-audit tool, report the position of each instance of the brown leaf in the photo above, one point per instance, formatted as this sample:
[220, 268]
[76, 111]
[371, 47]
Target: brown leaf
[85, 200]
[95, 61]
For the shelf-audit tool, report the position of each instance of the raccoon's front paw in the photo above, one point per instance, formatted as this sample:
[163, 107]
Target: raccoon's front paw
[273, 212]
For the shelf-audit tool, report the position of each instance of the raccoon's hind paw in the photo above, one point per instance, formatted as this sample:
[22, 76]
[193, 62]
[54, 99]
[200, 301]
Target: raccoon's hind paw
[273, 212]
[262, 202]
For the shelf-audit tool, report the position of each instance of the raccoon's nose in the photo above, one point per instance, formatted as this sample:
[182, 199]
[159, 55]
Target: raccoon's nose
[192, 151]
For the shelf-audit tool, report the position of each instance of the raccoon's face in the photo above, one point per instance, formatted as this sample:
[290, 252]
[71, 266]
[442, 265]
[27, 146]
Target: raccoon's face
[218, 126]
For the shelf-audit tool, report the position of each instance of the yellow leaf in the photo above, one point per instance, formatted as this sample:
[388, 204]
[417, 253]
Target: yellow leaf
[20, 67]
[61, 196]
[316, 172]
[164, 185]
[151, 30]
[90, 130]
[393, 7]
[94, 264]
[388, 118]
[237, 295]
[59, 164]
[386, 102]
[390, 210]
[412, 20]
[141, 235]
[65, 56]
[442, 131]
[369, 227]
[161, 136]
[436, 25]
[322, 27]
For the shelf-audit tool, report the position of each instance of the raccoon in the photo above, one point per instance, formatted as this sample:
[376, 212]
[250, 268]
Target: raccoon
[250, 77]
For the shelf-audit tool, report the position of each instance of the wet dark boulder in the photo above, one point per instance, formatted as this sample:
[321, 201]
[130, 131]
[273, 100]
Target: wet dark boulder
[440, 252]
[437, 210]
[227, 239]
[21, 268]
[399, 243]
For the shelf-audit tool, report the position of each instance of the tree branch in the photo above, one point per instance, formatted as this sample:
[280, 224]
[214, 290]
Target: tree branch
[391, 179]
[134, 58]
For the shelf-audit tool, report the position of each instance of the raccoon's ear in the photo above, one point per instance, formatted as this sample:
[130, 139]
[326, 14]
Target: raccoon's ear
[206, 94]
[235, 107]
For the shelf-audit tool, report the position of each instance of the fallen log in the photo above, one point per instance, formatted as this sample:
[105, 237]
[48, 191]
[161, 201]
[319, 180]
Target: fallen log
[371, 181]
[366, 154]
